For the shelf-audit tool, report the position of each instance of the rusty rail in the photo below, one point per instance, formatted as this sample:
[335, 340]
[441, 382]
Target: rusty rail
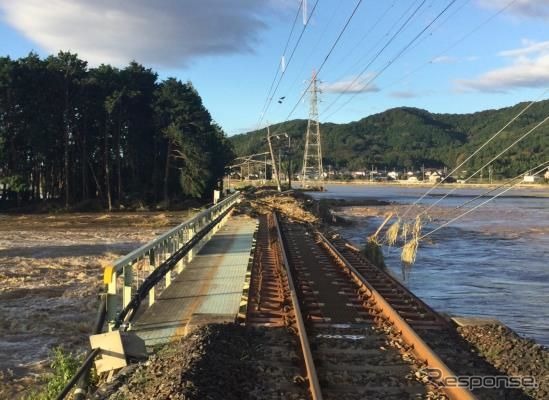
[419, 348]
[314, 385]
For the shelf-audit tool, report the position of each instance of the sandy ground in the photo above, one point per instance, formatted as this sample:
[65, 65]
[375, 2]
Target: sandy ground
[51, 272]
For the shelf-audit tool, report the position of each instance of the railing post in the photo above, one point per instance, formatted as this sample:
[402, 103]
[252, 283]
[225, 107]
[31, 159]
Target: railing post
[127, 273]
[179, 244]
[168, 253]
[112, 297]
[191, 231]
[152, 263]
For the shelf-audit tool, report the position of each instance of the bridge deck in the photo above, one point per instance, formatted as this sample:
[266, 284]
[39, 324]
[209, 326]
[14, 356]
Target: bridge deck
[209, 289]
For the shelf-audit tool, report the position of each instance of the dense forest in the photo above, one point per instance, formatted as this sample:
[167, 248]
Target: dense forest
[71, 135]
[409, 138]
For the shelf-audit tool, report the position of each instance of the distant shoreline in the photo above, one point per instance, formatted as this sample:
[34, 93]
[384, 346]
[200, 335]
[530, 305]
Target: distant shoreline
[442, 185]
[529, 189]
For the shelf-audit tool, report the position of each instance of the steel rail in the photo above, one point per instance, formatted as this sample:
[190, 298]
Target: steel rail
[418, 347]
[314, 385]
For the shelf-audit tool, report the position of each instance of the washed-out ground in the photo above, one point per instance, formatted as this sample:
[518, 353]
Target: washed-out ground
[51, 270]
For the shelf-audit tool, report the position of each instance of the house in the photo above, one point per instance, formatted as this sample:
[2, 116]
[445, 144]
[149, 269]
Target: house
[393, 175]
[531, 179]
[435, 177]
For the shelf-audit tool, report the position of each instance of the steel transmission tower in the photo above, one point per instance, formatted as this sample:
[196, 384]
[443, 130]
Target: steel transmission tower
[312, 173]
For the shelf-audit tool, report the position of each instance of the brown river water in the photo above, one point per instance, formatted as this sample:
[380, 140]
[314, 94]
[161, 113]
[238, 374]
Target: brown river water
[494, 262]
[51, 274]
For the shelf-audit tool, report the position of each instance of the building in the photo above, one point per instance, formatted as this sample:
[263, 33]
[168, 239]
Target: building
[393, 175]
[531, 178]
[435, 177]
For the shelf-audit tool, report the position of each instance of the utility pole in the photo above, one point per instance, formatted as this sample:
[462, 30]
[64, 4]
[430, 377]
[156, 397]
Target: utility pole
[275, 171]
[289, 162]
[312, 159]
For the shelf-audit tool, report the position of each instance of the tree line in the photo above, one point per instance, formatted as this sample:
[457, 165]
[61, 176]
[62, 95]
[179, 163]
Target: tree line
[410, 138]
[72, 134]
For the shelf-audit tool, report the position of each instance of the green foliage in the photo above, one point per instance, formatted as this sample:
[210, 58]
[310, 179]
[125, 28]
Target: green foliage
[14, 182]
[411, 138]
[73, 133]
[64, 365]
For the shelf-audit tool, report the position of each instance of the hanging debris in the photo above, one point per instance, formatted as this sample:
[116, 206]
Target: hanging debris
[409, 251]
[391, 235]
[406, 230]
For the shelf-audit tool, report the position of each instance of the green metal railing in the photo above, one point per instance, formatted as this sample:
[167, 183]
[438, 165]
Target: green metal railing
[127, 274]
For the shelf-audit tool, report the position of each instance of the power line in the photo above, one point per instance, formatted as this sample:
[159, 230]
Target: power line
[521, 138]
[477, 150]
[288, 62]
[391, 39]
[326, 57]
[278, 65]
[399, 54]
[315, 47]
[454, 44]
[367, 33]
[543, 164]
[477, 206]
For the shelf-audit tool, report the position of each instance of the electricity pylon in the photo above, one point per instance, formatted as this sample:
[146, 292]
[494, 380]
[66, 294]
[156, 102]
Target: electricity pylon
[312, 173]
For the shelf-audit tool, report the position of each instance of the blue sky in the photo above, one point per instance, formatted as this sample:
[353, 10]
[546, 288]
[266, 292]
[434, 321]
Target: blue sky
[480, 54]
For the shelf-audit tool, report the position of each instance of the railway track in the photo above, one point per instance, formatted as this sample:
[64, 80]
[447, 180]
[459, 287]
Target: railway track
[360, 333]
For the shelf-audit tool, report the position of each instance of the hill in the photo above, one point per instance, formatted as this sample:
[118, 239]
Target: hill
[408, 137]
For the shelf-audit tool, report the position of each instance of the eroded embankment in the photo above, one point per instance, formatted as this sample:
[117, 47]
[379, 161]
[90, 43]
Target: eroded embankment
[511, 354]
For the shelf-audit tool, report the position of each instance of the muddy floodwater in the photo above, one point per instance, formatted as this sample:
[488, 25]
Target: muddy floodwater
[51, 273]
[494, 262]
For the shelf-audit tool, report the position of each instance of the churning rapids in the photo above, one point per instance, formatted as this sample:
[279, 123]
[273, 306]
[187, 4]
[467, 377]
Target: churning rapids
[492, 263]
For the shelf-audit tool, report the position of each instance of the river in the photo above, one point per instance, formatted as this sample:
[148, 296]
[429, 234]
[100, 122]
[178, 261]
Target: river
[494, 262]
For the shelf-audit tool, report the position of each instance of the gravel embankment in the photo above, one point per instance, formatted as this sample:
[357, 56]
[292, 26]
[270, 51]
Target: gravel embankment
[217, 361]
[512, 354]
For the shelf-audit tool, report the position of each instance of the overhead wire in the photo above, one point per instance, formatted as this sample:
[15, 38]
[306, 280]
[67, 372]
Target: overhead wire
[278, 64]
[489, 140]
[470, 210]
[376, 56]
[521, 138]
[315, 47]
[399, 54]
[543, 164]
[341, 32]
[289, 61]
[367, 33]
[433, 59]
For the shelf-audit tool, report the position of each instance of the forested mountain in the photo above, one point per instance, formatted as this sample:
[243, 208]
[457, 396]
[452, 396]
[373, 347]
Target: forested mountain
[409, 138]
[70, 133]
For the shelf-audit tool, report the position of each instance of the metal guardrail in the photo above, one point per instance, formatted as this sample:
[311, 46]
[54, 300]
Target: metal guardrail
[126, 274]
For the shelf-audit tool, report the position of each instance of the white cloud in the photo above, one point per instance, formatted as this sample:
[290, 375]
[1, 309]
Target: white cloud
[350, 85]
[168, 33]
[529, 68]
[403, 94]
[520, 8]
[530, 48]
[444, 60]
